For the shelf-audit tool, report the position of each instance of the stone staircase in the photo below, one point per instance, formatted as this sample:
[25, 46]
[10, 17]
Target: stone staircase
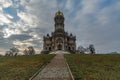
[59, 52]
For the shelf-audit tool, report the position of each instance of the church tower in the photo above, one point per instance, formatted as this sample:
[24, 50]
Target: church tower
[59, 22]
[59, 39]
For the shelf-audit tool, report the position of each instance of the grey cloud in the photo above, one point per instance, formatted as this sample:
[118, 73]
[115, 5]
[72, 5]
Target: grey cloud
[101, 28]
[91, 23]
[5, 44]
[20, 37]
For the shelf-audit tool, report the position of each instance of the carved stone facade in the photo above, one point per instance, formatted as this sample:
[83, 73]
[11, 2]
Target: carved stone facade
[59, 39]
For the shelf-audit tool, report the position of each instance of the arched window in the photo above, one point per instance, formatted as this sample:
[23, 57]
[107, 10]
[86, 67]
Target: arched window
[49, 48]
[60, 44]
[73, 48]
[59, 41]
[69, 48]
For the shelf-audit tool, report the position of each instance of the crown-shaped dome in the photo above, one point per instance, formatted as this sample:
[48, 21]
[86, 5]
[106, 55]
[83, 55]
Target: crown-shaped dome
[59, 13]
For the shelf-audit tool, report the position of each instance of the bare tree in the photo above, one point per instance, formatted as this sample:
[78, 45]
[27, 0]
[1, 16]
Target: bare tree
[26, 52]
[14, 51]
[29, 51]
[81, 49]
[8, 53]
[91, 49]
[0, 55]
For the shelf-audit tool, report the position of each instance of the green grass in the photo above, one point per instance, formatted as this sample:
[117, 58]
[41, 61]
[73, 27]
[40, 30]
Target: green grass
[94, 67]
[21, 67]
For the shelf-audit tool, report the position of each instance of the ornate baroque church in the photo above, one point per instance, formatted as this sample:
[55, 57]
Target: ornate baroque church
[59, 39]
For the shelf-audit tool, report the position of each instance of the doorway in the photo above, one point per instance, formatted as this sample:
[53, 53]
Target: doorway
[59, 47]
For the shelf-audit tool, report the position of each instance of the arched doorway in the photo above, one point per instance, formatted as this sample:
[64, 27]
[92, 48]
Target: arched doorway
[59, 47]
[59, 44]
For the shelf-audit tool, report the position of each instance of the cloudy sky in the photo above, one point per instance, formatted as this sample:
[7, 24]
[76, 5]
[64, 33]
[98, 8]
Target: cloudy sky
[24, 22]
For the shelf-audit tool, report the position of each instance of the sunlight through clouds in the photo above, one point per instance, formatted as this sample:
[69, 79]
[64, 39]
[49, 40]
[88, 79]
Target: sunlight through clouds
[92, 21]
[8, 32]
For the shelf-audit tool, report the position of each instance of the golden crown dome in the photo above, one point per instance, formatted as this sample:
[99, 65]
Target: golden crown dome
[59, 13]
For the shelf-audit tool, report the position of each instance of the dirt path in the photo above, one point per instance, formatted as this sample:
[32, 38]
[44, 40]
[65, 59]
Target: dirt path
[55, 70]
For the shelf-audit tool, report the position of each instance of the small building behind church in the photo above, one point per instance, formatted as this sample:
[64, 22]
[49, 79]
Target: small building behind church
[59, 39]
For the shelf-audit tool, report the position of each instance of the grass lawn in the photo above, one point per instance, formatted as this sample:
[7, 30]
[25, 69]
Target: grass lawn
[21, 67]
[94, 67]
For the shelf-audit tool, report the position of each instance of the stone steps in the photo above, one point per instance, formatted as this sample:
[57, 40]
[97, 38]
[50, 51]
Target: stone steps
[59, 52]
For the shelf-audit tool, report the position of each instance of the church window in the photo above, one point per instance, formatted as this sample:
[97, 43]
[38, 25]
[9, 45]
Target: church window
[69, 48]
[73, 48]
[49, 48]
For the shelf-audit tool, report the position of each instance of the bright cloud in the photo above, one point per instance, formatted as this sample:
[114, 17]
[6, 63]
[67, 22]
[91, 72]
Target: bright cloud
[8, 32]
[28, 18]
[5, 18]
[5, 3]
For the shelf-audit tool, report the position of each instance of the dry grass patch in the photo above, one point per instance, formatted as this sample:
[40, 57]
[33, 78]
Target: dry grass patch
[94, 67]
[21, 67]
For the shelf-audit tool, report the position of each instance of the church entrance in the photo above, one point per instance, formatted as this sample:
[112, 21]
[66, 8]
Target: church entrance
[59, 47]
[59, 44]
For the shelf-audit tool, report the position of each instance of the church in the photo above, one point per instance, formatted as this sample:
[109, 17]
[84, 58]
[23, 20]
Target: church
[59, 39]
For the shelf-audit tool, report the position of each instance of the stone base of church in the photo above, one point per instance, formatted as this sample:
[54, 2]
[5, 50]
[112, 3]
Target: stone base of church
[45, 52]
[58, 52]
